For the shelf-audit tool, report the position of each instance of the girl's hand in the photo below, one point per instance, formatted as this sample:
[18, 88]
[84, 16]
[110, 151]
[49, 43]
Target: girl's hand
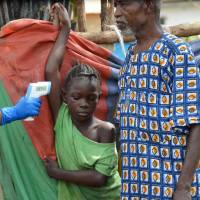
[182, 195]
[51, 167]
[60, 12]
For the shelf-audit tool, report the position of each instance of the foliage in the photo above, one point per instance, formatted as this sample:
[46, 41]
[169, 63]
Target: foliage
[192, 38]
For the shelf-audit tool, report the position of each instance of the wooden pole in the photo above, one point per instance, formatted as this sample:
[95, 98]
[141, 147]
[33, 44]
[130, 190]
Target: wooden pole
[16, 9]
[185, 30]
[6, 13]
[110, 37]
[107, 14]
[1, 17]
[81, 16]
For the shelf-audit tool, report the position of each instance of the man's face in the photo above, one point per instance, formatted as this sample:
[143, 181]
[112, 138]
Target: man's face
[130, 13]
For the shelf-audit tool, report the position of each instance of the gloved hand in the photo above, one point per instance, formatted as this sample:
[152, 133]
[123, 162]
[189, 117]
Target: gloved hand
[26, 107]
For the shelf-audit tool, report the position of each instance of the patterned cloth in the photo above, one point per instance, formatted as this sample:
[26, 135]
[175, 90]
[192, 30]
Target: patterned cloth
[159, 92]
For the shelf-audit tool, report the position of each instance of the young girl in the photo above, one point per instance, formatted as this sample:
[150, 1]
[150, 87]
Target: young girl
[85, 145]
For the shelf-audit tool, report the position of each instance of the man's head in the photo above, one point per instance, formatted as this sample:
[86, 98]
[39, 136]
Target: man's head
[135, 14]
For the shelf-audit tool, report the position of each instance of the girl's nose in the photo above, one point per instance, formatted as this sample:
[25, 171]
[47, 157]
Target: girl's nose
[84, 103]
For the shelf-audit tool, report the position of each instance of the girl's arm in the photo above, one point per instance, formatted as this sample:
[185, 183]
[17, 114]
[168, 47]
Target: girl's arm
[90, 178]
[52, 72]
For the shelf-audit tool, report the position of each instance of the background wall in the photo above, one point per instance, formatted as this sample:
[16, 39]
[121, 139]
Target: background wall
[180, 12]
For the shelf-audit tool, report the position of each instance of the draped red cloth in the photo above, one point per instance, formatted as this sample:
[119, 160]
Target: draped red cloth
[25, 45]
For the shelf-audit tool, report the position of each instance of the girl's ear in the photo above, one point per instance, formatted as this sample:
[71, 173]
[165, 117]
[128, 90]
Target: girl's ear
[64, 95]
[100, 94]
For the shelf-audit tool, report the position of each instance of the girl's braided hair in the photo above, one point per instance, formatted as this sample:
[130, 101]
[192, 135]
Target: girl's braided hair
[82, 70]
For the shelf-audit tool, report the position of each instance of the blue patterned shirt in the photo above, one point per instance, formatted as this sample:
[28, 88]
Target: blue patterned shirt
[159, 99]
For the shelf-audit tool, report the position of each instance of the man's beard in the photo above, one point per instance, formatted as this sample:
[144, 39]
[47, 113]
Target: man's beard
[127, 31]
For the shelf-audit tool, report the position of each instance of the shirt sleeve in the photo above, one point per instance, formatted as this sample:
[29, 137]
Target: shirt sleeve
[121, 82]
[185, 107]
[107, 164]
[120, 91]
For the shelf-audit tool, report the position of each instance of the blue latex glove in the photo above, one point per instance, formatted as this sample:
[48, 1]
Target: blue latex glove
[26, 107]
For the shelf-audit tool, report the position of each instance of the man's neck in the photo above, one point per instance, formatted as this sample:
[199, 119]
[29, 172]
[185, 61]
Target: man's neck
[149, 33]
[147, 36]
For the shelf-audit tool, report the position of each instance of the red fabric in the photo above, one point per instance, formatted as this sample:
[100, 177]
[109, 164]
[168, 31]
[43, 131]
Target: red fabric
[25, 45]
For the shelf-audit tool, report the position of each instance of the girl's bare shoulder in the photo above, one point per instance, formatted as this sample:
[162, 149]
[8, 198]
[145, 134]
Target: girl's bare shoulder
[106, 131]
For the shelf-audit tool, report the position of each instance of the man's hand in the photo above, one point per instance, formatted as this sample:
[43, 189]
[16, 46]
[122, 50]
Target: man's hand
[26, 107]
[59, 13]
[190, 164]
[182, 195]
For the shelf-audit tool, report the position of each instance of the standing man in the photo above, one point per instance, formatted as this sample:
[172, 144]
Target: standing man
[26, 107]
[159, 111]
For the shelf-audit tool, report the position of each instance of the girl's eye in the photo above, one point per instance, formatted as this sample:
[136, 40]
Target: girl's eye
[76, 98]
[92, 98]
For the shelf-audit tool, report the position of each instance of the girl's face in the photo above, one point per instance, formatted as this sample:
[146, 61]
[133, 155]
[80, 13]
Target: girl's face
[82, 97]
